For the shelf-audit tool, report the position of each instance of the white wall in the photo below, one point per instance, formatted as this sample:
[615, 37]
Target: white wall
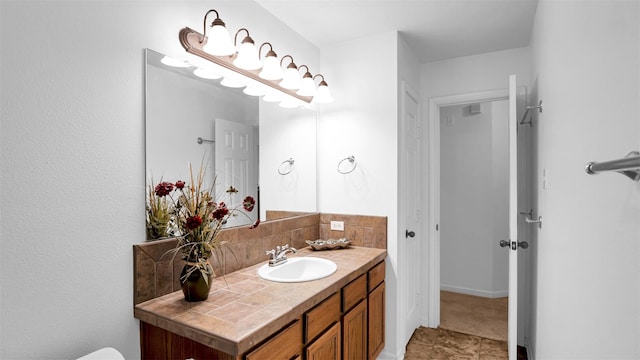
[587, 268]
[72, 154]
[475, 73]
[362, 122]
[474, 199]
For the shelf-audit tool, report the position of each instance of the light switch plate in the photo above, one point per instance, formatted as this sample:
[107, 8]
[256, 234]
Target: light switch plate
[337, 225]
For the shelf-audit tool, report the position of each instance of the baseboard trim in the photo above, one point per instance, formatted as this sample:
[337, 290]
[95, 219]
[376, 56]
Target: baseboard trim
[387, 355]
[475, 292]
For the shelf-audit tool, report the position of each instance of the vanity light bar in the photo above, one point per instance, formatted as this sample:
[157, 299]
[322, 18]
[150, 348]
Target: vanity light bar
[193, 42]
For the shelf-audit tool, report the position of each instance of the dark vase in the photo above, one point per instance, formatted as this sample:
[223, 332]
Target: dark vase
[193, 283]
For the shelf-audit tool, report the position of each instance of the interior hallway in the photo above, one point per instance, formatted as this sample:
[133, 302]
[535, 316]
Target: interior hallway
[474, 315]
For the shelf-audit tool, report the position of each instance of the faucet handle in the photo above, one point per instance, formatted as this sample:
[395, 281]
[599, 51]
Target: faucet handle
[271, 252]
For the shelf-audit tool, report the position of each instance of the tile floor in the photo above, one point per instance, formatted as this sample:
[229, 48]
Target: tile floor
[442, 344]
[471, 328]
[474, 315]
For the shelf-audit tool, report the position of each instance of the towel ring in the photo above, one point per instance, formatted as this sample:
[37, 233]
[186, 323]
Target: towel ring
[352, 160]
[290, 161]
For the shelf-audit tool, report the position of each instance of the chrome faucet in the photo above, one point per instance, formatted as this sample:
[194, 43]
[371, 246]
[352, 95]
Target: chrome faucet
[279, 254]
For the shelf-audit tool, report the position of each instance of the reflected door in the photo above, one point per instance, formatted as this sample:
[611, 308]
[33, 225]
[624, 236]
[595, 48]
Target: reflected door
[235, 161]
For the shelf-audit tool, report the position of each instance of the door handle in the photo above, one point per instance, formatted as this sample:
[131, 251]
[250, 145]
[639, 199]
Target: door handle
[409, 234]
[521, 244]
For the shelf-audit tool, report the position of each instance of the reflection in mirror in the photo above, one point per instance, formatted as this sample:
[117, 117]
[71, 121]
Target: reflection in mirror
[194, 120]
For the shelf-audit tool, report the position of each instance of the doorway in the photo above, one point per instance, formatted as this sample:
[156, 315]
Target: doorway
[474, 210]
[521, 187]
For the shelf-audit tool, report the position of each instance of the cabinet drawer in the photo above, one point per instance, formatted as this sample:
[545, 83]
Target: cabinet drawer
[354, 292]
[321, 316]
[376, 275]
[284, 346]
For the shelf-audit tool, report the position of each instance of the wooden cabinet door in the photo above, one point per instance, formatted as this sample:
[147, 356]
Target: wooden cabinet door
[327, 346]
[354, 333]
[376, 321]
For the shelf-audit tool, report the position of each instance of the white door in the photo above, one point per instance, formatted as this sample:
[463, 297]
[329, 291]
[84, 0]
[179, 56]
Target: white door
[513, 220]
[410, 197]
[236, 165]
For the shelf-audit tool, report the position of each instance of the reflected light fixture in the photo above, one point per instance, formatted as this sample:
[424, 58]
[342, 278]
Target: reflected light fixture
[290, 103]
[307, 86]
[173, 62]
[219, 42]
[271, 69]
[291, 78]
[272, 96]
[323, 95]
[254, 90]
[231, 83]
[205, 74]
[247, 53]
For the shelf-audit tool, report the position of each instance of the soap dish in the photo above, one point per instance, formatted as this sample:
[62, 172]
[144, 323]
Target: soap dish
[329, 244]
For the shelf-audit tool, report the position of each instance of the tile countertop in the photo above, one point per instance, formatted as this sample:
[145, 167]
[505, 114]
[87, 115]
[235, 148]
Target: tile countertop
[244, 309]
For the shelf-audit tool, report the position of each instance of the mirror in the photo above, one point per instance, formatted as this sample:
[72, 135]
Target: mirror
[242, 140]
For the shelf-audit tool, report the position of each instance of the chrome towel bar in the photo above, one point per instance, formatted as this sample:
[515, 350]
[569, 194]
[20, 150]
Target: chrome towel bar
[629, 166]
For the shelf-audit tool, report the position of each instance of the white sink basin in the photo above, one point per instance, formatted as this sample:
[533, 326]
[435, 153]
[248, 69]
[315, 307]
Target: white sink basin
[298, 269]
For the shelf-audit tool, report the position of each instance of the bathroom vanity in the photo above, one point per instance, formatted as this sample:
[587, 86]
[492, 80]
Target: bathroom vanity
[247, 317]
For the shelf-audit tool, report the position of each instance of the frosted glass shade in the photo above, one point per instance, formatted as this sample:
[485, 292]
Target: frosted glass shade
[247, 57]
[291, 79]
[219, 42]
[323, 95]
[271, 69]
[307, 87]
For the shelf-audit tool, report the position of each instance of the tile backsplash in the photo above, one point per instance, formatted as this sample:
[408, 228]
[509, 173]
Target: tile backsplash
[156, 273]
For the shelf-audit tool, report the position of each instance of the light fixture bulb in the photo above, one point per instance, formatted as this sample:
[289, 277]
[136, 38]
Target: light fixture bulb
[291, 78]
[205, 74]
[218, 40]
[323, 95]
[271, 69]
[247, 58]
[307, 86]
